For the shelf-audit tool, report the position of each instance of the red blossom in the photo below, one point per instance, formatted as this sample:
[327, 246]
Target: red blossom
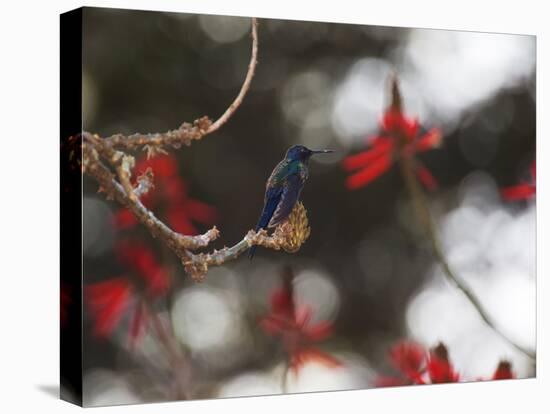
[522, 191]
[416, 365]
[109, 301]
[369, 171]
[409, 358]
[142, 261]
[171, 195]
[400, 136]
[293, 325]
[440, 370]
[503, 371]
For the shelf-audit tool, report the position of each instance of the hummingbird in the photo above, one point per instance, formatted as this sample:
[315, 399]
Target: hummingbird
[284, 186]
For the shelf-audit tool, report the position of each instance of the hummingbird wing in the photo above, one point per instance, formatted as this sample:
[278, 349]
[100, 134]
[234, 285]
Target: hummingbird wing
[272, 200]
[282, 191]
[289, 196]
[274, 190]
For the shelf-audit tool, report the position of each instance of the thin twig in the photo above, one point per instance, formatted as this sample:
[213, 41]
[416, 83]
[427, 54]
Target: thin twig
[246, 84]
[175, 355]
[284, 378]
[201, 127]
[154, 142]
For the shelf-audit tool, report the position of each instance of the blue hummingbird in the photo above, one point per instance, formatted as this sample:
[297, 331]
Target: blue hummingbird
[284, 186]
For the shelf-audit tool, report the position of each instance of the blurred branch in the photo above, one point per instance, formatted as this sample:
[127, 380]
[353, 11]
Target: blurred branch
[416, 193]
[422, 210]
[284, 378]
[182, 367]
[246, 84]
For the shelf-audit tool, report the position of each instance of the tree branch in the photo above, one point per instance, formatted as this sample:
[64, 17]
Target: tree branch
[187, 133]
[179, 243]
[246, 84]
[97, 151]
[288, 236]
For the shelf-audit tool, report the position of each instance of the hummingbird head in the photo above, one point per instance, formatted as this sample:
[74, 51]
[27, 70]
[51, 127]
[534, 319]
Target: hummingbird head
[301, 153]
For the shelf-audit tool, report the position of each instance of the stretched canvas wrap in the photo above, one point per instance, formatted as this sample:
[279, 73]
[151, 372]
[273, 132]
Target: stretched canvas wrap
[260, 206]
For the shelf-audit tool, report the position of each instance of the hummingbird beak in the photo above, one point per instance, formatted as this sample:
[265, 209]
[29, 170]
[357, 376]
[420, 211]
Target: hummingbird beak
[323, 151]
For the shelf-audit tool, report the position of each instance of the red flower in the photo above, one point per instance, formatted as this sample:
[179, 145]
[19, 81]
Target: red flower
[440, 369]
[503, 371]
[409, 358]
[171, 194]
[141, 260]
[522, 191]
[399, 137]
[295, 330]
[418, 366]
[109, 301]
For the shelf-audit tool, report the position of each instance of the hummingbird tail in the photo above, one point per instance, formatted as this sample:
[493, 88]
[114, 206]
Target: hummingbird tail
[273, 197]
[251, 252]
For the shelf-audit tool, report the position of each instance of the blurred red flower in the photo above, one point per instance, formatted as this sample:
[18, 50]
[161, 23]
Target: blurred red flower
[439, 367]
[416, 365]
[141, 260]
[522, 191]
[409, 358]
[109, 301]
[400, 136]
[170, 194]
[503, 371]
[295, 330]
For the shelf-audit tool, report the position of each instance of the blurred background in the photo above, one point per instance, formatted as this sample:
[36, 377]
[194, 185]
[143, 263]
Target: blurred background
[365, 268]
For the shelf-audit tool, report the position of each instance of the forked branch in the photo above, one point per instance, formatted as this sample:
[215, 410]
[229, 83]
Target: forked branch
[104, 159]
[288, 236]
